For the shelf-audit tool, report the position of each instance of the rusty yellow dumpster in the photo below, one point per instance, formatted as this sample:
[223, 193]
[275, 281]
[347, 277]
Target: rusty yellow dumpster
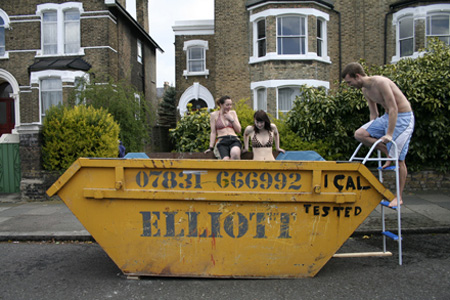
[212, 218]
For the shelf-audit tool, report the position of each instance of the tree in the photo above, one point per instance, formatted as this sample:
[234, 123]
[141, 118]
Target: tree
[124, 103]
[167, 109]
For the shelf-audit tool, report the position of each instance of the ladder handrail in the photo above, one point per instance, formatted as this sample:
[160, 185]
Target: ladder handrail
[397, 184]
[367, 157]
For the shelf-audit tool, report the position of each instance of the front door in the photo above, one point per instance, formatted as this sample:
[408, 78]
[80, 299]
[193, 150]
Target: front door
[7, 115]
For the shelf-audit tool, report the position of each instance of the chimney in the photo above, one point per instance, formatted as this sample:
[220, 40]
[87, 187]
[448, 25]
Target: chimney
[142, 14]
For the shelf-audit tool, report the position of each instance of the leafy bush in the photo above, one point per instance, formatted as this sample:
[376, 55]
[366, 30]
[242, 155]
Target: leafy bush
[425, 82]
[70, 133]
[289, 141]
[192, 131]
[333, 118]
[124, 103]
[329, 120]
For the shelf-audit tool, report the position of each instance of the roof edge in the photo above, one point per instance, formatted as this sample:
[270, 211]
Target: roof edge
[123, 11]
[251, 3]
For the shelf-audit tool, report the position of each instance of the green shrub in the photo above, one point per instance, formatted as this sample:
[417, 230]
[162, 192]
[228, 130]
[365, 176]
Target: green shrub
[333, 118]
[425, 81]
[192, 131]
[245, 114]
[329, 120]
[70, 133]
[289, 141]
[124, 103]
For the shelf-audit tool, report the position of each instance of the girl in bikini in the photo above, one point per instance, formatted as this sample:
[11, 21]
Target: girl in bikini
[262, 134]
[225, 126]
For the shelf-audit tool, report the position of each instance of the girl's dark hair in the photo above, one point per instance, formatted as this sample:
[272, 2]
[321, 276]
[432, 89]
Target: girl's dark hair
[223, 99]
[261, 116]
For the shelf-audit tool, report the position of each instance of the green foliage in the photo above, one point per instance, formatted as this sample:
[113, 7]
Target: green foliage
[290, 141]
[192, 131]
[328, 120]
[332, 119]
[125, 104]
[425, 82]
[245, 114]
[167, 110]
[70, 133]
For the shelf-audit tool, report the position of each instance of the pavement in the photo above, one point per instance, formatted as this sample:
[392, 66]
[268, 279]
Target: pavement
[424, 212]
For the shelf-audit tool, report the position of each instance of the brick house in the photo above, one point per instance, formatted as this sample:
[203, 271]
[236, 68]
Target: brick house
[46, 46]
[264, 50]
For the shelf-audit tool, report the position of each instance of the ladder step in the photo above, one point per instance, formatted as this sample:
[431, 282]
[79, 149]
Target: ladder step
[390, 234]
[386, 203]
[390, 168]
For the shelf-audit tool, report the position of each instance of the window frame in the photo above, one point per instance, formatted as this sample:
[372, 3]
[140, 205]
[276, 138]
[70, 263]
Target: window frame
[4, 17]
[428, 27]
[261, 40]
[301, 36]
[139, 51]
[277, 84]
[41, 94]
[195, 44]
[67, 23]
[417, 13]
[61, 24]
[322, 39]
[260, 103]
[2, 37]
[68, 79]
[294, 87]
[46, 44]
[275, 13]
[192, 59]
[401, 39]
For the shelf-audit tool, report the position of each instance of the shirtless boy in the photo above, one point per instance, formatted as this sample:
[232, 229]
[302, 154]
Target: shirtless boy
[397, 124]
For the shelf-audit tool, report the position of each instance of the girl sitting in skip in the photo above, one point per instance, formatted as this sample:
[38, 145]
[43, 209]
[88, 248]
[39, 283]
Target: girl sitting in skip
[262, 134]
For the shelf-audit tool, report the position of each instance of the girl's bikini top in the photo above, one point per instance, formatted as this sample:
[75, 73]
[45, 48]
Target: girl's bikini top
[257, 144]
[220, 125]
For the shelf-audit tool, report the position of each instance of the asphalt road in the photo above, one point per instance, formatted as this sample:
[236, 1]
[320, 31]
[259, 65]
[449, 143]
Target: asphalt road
[83, 271]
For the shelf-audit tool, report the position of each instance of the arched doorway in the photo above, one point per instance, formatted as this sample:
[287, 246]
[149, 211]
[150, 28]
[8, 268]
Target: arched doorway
[198, 104]
[7, 109]
[198, 96]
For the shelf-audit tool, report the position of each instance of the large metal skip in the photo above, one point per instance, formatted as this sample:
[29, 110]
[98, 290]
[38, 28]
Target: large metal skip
[212, 218]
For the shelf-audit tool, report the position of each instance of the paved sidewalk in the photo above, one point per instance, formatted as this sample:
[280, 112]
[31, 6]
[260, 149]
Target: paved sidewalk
[32, 221]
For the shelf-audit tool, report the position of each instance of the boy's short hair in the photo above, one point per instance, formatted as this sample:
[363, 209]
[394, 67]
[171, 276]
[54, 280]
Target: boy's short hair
[352, 69]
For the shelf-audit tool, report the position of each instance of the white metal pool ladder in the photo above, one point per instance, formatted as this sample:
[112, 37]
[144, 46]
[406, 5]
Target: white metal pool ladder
[384, 203]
